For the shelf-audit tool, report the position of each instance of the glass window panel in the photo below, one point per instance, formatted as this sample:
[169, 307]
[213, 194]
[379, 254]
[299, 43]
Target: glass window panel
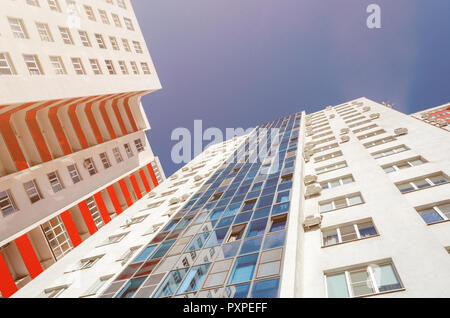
[389, 169]
[257, 227]
[229, 250]
[355, 200]
[171, 283]
[232, 209]
[144, 254]
[130, 288]
[280, 208]
[283, 197]
[405, 187]
[217, 237]
[265, 201]
[445, 208]
[361, 283]
[268, 269]
[215, 279]
[251, 245]
[337, 286]
[367, 229]
[271, 256]
[238, 291]
[274, 240]
[243, 269]
[325, 207]
[194, 279]
[340, 203]
[438, 179]
[162, 249]
[197, 242]
[421, 184]
[430, 216]
[225, 221]
[386, 278]
[265, 288]
[347, 180]
[330, 237]
[243, 217]
[417, 162]
[261, 213]
[278, 224]
[348, 233]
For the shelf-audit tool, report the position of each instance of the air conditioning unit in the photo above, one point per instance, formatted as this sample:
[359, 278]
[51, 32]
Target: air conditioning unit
[366, 108]
[401, 131]
[174, 200]
[185, 169]
[310, 179]
[312, 221]
[375, 116]
[312, 190]
[332, 116]
[345, 139]
[345, 131]
[198, 177]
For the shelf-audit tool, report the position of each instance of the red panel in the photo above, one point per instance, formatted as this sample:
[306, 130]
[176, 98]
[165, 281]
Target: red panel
[436, 113]
[125, 192]
[136, 186]
[57, 127]
[7, 285]
[144, 180]
[76, 123]
[92, 228]
[114, 199]
[119, 117]
[29, 256]
[152, 174]
[106, 119]
[443, 116]
[36, 133]
[102, 207]
[71, 228]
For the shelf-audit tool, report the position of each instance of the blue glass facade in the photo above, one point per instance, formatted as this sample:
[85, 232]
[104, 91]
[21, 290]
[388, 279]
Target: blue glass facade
[228, 240]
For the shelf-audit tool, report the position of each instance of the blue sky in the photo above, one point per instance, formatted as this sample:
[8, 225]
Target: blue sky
[238, 63]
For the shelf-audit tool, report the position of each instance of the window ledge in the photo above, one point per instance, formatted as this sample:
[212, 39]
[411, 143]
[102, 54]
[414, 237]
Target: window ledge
[350, 206]
[382, 293]
[439, 222]
[357, 240]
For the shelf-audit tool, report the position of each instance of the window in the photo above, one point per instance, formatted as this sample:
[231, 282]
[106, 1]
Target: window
[54, 5]
[88, 262]
[18, 28]
[105, 160]
[139, 145]
[115, 238]
[126, 45]
[116, 20]
[33, 3]
[332, 167]
[103, 16]
[137, 47]
[7, 204]
[90, 166]
[55, 181]
[372, 134]
[117, 155]
[363, 281]
[388, 152]
[74, 173]
[356, 131]
[243, 269]
[348, 232]
[95, 67]
[128, 150]
[89, 13]
[379, 142]
[95, 213]
[145, 68]
[135, 68]
[337, 182]
[123, 67]
[359, 123]
[44, 32]
[100, 41]
[340, 203]
[121, 3]
[6, 67]
[422, 183]
[84, 37]
[110, 67]
[114, 43]
[57, 237]
[32, 190]
[409, 163]
[436, 213]
[78, 66]
[33, 65]
[128, 24]
[58, 65]
[328, 156]
[66, 36]
[324, 148]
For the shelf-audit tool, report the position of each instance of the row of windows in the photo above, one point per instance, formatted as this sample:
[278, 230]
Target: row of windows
[8, 204]
[35, 68]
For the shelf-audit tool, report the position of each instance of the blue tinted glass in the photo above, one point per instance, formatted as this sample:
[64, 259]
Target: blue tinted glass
[225, 221]
[238, 291]
[257, 186]
[216, 214]
[271, 182]
[261, 213]
[251, 245]
[194, 279]
[265, 288]
[285, 186]
[144, 254]
[265, 201]
[274, 240]
[171, 283]
[431, 216]
[243, 269]
[280, 208]
[248, 206]
[252, 195]
[131, 287]
[243, 217]
[217, 237]
[257, 227]
[232, 209]
[230, 250]
[283, 197]
[197, 242]
[162, 249]
[278, 224]
[170, 226]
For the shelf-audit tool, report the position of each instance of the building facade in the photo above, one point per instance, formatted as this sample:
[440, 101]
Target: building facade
[351, 201]
[74, 152]
[437, 116]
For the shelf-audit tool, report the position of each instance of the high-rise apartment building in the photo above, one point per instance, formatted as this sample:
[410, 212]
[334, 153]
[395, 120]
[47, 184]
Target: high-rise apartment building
[437, 116]
[74, 152]
[351, 201]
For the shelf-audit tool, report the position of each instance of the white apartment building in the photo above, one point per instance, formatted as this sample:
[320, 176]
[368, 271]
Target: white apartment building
[74, 153]
[352, 201]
